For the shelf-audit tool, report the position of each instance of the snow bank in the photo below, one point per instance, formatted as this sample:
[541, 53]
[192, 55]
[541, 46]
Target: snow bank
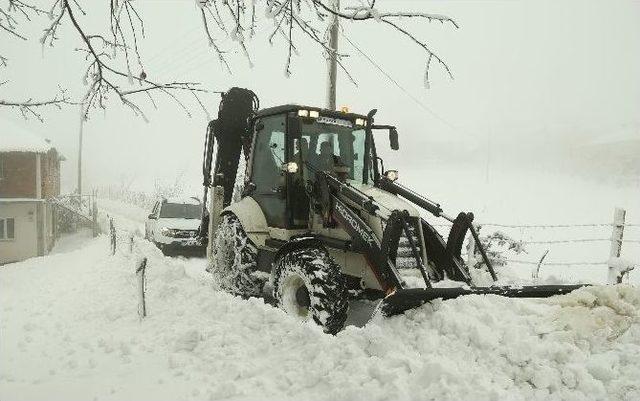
[70, 331]
[126, 216]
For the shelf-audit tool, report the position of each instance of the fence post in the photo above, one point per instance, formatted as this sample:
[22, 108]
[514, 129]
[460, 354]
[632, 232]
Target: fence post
[615, 276]
[112, 234]
[131, 244]
[141, 268]
[94, 215]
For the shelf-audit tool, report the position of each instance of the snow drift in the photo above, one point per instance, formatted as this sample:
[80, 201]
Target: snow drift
[70, 331]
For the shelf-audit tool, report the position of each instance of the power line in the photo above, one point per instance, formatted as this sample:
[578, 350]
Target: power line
[528, 262]
[402, 88]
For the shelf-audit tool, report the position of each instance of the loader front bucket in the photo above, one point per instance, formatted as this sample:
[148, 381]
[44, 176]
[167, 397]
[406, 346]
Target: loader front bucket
[405, 299]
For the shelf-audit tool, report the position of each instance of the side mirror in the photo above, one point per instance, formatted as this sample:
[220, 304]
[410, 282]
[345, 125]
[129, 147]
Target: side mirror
[393, 138]
[152, 216]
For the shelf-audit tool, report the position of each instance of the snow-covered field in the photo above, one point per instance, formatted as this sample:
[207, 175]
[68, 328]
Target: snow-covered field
[70, 331]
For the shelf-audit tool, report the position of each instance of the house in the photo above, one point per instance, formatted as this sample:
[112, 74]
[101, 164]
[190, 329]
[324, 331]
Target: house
[29, 177]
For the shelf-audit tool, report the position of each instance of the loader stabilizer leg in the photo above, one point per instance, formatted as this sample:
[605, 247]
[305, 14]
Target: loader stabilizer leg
[404, 299]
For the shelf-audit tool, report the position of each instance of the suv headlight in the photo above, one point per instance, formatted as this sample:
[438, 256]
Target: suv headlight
[167, 232]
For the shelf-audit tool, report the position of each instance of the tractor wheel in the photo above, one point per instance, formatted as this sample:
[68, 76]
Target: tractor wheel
[308, 284]
[234, 259]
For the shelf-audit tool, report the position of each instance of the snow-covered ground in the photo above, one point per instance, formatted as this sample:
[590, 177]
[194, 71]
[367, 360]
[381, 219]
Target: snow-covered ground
[70, 331]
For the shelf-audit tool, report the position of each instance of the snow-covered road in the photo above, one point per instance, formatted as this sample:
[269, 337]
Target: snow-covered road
[70, 331]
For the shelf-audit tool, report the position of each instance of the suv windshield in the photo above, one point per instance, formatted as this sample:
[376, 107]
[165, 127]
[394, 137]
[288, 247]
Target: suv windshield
[326, 145]
[180, 211]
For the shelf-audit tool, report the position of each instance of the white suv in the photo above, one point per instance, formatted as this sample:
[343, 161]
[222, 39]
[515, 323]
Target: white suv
[173, 225]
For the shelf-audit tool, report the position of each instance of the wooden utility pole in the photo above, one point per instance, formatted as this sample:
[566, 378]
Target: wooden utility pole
[80, 149]
[332, 63]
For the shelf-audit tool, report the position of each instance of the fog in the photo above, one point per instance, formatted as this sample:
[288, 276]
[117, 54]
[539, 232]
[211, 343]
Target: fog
[543, 85]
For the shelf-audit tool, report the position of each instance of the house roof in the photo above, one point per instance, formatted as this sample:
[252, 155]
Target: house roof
[16, 137]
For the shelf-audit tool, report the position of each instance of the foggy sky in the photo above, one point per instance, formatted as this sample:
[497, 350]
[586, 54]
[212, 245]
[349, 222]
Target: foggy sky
[528, 75]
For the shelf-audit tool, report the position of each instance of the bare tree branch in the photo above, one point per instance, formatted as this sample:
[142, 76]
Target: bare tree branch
[9, 23]
[115, 65]
[430, 54]
[101, 76]
[29, 107]
[310, 17]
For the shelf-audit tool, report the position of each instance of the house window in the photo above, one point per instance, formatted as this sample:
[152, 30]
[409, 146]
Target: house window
[7, 229]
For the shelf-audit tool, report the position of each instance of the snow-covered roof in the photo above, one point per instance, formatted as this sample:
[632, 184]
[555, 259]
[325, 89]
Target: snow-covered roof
[17, 138]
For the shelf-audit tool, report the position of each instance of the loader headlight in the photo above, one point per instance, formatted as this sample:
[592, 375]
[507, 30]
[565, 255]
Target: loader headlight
[391, 175]
[291, 167]
[360, 121]
[309, 113]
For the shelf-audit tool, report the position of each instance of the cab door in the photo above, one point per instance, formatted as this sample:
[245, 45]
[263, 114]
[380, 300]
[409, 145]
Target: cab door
[269, 154]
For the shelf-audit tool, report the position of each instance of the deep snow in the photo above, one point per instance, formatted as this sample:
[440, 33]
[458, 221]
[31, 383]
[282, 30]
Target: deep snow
[70, 331]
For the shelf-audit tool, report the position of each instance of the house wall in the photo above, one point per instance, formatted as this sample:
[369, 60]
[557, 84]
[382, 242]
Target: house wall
[18, 175]
[50, 173]
[34, 219]
[25, 243]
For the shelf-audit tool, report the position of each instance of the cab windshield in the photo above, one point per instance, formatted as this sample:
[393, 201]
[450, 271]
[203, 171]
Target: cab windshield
[180, 211]
[333, 146]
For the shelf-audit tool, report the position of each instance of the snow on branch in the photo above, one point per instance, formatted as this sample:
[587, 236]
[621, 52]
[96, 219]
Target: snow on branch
[309, 18]
[114, 62]
[102, 77]
[16, 9]
[30, 107]
[115, 66]
[11, 15]
[364, 13]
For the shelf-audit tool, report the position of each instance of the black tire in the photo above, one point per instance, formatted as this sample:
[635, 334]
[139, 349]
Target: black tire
[234, 259]
[308, 284]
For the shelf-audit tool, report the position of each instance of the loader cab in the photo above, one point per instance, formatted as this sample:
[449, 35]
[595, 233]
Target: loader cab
[290, 144]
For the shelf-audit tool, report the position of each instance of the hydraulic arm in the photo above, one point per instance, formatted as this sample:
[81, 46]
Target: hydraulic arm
[345, 204]
[232, 132]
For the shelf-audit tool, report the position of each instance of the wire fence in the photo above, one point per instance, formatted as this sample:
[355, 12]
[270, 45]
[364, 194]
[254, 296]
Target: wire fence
[616, 239]
[567, 241]
[530, 262]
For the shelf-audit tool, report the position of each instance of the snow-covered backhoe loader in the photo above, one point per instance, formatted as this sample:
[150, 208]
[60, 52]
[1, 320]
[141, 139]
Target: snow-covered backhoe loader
[320, 218]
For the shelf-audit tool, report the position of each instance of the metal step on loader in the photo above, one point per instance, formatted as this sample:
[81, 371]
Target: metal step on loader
[320, 218]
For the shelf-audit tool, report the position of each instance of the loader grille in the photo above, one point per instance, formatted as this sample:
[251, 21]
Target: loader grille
[404, 256]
